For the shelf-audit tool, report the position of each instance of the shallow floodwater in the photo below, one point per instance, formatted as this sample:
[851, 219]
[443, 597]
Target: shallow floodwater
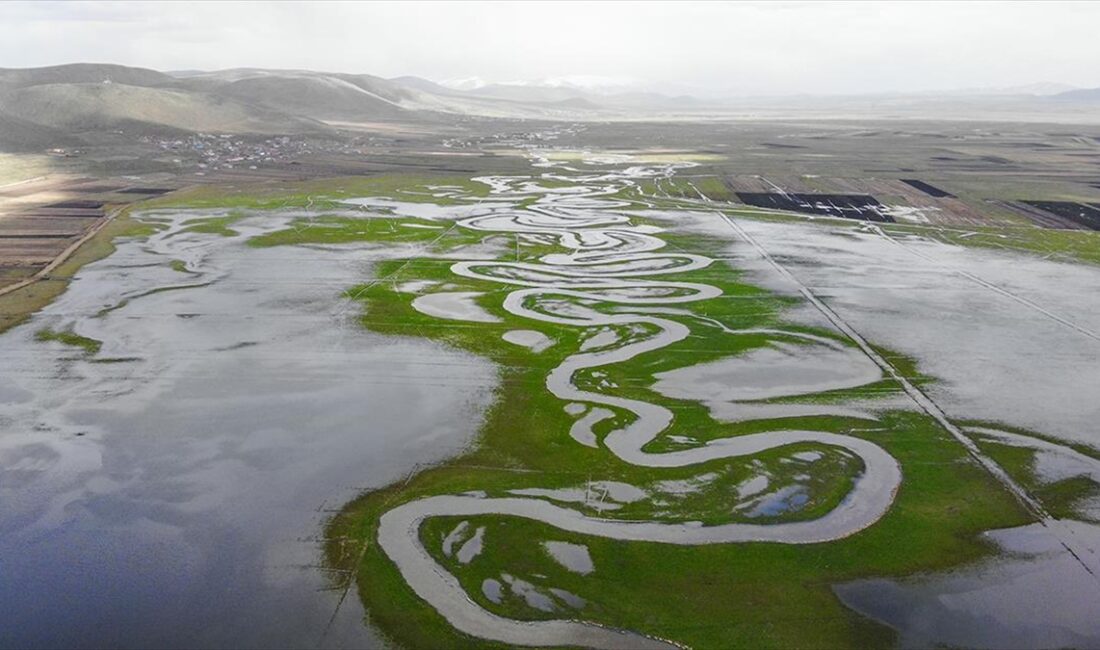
[1010, 339]
[1024, 352]
[779, 370]
[604, 258]
[1036, 597]
[175, 497]
[456, 305]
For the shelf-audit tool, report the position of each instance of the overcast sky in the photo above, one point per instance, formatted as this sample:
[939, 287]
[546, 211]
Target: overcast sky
[706, 48]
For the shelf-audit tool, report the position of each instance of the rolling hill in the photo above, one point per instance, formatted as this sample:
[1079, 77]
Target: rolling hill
[1079, 95]
[75, 73]
[313, 96]
[61, 105]
[78, 107]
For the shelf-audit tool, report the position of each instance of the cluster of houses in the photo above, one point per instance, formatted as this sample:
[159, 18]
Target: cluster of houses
[211, 152]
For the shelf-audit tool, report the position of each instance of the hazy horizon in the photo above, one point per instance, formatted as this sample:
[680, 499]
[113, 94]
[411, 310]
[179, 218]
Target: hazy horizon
[705, 49]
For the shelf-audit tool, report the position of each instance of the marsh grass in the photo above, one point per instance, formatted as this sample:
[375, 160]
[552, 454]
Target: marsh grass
[89, 345]
[735, 595]
[752, 595]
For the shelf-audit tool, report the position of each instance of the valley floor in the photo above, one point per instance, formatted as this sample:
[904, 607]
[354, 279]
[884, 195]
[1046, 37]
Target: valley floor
[574, 399]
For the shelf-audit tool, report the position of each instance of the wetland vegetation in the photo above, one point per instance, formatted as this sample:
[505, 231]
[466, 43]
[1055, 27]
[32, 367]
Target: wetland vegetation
[578, 265]
[764, 594]
[690, 341]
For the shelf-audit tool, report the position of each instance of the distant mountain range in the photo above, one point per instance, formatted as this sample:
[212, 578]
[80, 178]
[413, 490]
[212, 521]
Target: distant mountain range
[41, 106]
[68, 104]
[1041, 89]
[1079, 95]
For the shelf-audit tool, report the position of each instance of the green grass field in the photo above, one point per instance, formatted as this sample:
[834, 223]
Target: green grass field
[89, 345]
[736, 595]
[750, 595]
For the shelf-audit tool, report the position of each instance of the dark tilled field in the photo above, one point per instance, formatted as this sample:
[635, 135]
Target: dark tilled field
[79, 204]
[955, 174]
[930, 190]
[861, 207]
[1084, 214]
[151, 191]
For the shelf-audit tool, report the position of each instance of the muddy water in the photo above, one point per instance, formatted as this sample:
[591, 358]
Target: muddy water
[175, 498]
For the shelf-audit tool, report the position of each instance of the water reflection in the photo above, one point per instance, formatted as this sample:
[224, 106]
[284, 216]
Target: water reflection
[173, 497]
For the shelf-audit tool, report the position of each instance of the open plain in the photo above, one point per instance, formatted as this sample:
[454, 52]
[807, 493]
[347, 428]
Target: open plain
[499, 381]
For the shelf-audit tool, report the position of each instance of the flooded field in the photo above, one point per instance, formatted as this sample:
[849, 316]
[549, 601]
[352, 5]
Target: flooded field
[166, 483]
[1011, 338]
[588, 256]
[694, 427]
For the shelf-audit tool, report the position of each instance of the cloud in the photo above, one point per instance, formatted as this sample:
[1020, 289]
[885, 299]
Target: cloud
[738, 48]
